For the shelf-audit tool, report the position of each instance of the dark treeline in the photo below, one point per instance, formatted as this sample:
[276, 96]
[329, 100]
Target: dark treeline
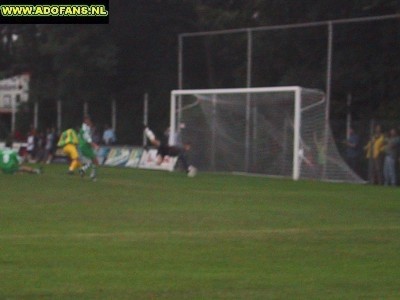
[137, 54]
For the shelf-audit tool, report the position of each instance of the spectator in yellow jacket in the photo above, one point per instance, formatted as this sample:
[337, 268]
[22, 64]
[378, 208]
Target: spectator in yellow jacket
[374, 150]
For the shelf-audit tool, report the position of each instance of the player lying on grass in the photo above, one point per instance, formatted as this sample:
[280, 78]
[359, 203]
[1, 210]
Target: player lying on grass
[10, 162]
[163, 149]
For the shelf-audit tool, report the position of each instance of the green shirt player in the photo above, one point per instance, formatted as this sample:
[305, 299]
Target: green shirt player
[10, 162]
[87, 148]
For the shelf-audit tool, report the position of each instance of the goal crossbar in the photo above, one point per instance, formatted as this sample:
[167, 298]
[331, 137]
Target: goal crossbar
[236, 90]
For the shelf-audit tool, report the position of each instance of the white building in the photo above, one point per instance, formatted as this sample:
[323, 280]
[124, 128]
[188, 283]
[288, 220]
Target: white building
[13, 92]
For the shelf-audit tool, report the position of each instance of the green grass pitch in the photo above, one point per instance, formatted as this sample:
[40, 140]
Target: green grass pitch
[156, 235]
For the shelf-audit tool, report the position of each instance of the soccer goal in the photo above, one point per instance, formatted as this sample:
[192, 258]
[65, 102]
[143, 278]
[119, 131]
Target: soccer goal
[275, 131]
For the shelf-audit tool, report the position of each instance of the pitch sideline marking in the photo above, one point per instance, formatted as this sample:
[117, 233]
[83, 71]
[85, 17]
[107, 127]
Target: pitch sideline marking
[221, 233]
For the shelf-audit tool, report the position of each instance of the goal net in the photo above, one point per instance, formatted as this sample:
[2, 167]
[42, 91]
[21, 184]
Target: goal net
[275, 131]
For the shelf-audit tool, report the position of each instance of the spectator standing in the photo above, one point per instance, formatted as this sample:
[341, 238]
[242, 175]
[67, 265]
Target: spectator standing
[51, 144]
[95, 134]
[352, 149]
[391, 152]
[109, 137]
[374, 152]
[31, 142]
[40, 147]
[18, 136]
[320, 146]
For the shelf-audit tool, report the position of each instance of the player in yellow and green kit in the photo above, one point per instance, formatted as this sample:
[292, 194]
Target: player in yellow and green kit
[69, 142]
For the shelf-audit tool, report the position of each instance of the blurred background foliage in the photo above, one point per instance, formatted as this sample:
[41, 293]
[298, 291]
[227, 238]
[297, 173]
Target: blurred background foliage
[137, 54]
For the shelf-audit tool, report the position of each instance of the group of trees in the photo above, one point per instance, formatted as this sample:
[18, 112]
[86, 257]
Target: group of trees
[137, 53]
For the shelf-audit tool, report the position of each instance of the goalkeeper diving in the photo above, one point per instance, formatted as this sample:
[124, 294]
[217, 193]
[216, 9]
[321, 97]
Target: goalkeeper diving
[164, 149]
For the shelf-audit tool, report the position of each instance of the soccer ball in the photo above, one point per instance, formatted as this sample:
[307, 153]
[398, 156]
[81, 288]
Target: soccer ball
[192, 171]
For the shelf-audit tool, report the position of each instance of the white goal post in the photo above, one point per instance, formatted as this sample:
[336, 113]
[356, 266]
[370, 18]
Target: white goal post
[275, 131]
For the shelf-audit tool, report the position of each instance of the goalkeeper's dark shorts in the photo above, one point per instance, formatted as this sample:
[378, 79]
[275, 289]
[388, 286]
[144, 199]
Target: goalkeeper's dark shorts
[173, 151]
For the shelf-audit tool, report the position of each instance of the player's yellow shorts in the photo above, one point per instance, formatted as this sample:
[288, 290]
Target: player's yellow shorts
[71, 151]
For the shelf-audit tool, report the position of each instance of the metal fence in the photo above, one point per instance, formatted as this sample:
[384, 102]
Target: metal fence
[332, 56]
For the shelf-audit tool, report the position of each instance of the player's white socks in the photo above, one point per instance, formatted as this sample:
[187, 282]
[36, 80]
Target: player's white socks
[86, 166]
[150, 135]
[93, 174]
[191, 171]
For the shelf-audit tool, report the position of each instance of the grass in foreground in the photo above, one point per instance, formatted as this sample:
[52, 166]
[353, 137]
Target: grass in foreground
[153, 235]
